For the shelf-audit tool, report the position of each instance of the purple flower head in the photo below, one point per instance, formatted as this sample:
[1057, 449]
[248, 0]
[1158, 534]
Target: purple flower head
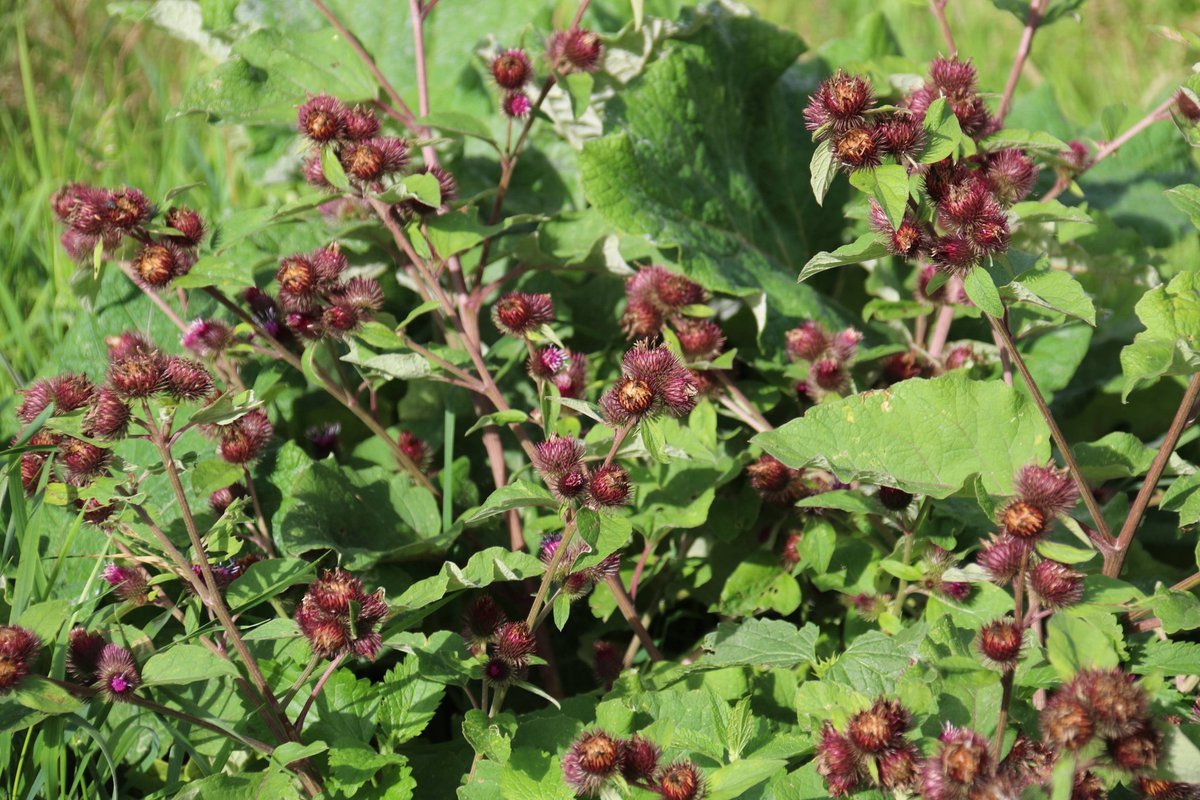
[116, 673]
[207, 337]
[322, 119]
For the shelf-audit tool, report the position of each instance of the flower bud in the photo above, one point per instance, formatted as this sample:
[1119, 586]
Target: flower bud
[108, 418]
[339, 618]
[953, 254]
[371, 159]
[189, 224]
[360, 294]
[514, 643]
[137, 375]
[576, 50]
[116, 674]
[516, 105]
[480, 621]
[859, 148]
[1001, 557]
[608, 487]
[774, 481]
[1010, 175]
[511, 69]
[838, 103]
[83, 654]
[558, 456]
[808, 342]
[1065, 722]
[1116, 702]
[129, 583]
[1050, 490]
[700, 339]
[361, 123]
[158, 263]
[546, 362]
[593, 758]
[325, 439]
[497, 672]
[1055, 584]
[837, 762]
[962, 762]
[83, 460]
[899, 766]
[244, 439]
[1136, 751]
[322, 119]
[186, 379]
[18, 649]
[207, 338]
[221, 499]
[338, 320]
[1000, 643]
[416, 449]
[827, 375]
[673, 289]
[519, 313]
[903, 137]
[894, 499]
[640, 761]
[905, 241]
[681, 781]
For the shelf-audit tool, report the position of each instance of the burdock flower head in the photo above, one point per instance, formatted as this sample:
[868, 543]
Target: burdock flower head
[559, 459]
[1010, 174]
[961, 764]
[807, 342]
[511, 69]
[906, 241]
[116, 673]
[839, 103]
[128, 583]
[207, 338]
[520, 313]
[322, 119]
[244, 439]
[158, 263]
[18, 648]
[546, 362]
[1001, 557]
[1043, 493]
[513, 643]
[576, 50]
[67, 392]
[775, 481]
[1056, 585]
[186, 379]
[516, 105]
[682, 780]
[339, 618]
[1000, 643]
[593, 759]
[83, 654]
[480, 621]
[653, 380]
[608, 487]
[874, 735]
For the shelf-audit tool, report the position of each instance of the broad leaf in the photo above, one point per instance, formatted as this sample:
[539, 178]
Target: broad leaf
[924, 436]
[1169, 344]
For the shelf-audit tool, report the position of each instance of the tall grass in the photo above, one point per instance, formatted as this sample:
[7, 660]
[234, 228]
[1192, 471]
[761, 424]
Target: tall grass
[84, 97]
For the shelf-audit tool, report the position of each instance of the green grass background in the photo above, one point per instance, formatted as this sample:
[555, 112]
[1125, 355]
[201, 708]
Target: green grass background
[84, 97]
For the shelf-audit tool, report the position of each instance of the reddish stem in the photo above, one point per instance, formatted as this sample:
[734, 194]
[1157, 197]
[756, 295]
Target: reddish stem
[1032, 20]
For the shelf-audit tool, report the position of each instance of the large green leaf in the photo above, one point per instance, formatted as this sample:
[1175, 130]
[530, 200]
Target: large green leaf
[709, 156]
[760, 642]
[1169, 344]
[924, 436]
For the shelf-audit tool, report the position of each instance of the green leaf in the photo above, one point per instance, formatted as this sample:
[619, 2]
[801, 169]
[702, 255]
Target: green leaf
[1177, 611]
[923, 436]
[401, 366]
[451, 234]
[1170, 658]
[1181, 754]
[579, 86]
[653, 439]
[758, 584]
[1168, 346]
[982, 290]
[865, 248]
[228, 274]
[500, 418]
[1183, 496]
[1116, 455]
[265, 579]
[1039, 141]
[889, 186]
[1187, 199]
[489, 737]
[332, 169]
[408, 702]
[345, 710]
[211, 474]
[943, 135]
[482, 569]
[759, 642]
[422, 187]
[40, 694]
[456, 122]
[518, 494]
[1050, 211]
[185, 663]
[1055, 290]
[822, 170]
[873, 663]
[1075, 641]
[351, 767]
[533, 775]
[703, 177]
[424, 308]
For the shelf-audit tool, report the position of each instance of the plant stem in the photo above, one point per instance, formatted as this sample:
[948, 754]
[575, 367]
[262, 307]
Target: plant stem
[400, 106]
[260, 519]
[298, 725]
[1160, 113]
[741, 405]
[938, 7]
[647, 550]
[215, 600]
[631, 616]
[418, 28]
[309, 668]
[1115, 560]
[1084, 491]
[1006, 681]
[1032, 20]
[137, 700]
[346, 398]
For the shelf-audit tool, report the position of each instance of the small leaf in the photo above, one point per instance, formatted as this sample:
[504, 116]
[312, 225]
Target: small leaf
[510, 417]
[865, 248]
[332, 169]
[456, 122]
[518, 494]
[424, 308]
[943, 135]
[579, 86]
[822, 170]
[982, 290]
[41, 694]
[1170, 345]
[759, 642]
[1055, 290]
[185, 663]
